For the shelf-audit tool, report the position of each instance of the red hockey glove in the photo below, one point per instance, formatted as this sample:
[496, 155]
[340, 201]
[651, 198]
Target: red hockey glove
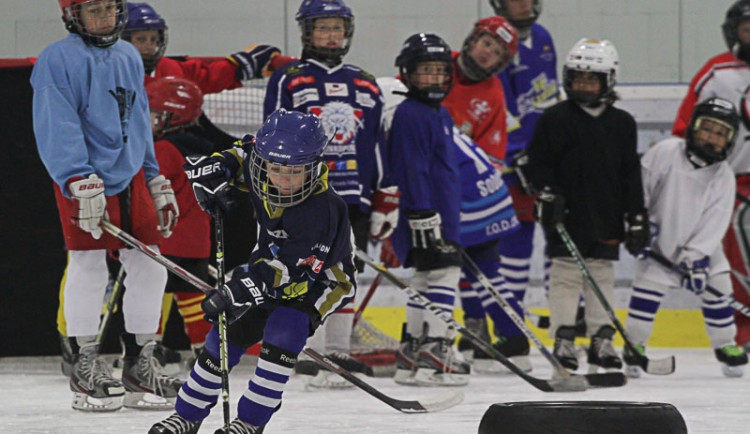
[166, 204]
[384, 216]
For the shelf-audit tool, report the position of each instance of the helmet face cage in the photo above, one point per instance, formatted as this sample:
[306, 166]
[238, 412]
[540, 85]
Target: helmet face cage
[591, 55]
[268, 177]
[420, 48]
[501, 31]
[141, 16]
[178, 102]
[522, 24]
[308, 13]
[736, 15]
[717, 110]
[71, 10]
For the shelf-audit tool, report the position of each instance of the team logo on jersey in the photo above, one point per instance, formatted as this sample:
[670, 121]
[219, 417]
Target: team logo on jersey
[367, 84]
[479, 109]
[337, 89]
[302, 79]
[304, 96]
[322, 247]
[341, 121]
[364, 99]
[312, 262]
[280, 234]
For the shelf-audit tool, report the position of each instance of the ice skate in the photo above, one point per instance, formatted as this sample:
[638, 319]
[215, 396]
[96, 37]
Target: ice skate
[406, 359]
[478, 326]
[515, 348]
[565, 349]
[239, 427]
[169, 359]
[66, 364]
[175, 424]
[733, 360]
[92, 384]
[601, 354]
[632, 367]
[145, 387]
[439, 364]
[195, 352]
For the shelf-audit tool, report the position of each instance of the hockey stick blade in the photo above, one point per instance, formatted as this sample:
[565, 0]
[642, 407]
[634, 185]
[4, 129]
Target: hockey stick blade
[430, 405]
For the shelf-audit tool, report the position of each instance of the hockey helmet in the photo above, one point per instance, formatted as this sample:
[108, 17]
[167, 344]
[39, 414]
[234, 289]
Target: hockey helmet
[425, 47]
[738, 13]
[141, 16]
[503, 32]
[394, 92]
[522, 24]
[174, 102]
[287, 158]
[596, 56]
[309, 11]
[73, 18]
[719, 111]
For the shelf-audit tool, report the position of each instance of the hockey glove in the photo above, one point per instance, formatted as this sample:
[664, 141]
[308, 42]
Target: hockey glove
[384, 216]
[549, 208]
[638, 237]
[254, 62]
[89, 195]
[210, 180]
[430, 251]
[696, 275]
[166, 204]
[520, 166]
[236, 297]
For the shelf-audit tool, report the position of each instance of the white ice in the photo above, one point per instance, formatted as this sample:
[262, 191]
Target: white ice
[35, 398]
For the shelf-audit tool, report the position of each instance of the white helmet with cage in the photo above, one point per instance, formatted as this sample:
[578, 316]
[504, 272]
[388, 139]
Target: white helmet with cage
[592, 55]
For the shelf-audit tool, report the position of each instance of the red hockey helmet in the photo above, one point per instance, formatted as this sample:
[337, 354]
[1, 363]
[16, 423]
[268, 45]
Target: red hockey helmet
[175, 101]
[503, 32]
[71, 15]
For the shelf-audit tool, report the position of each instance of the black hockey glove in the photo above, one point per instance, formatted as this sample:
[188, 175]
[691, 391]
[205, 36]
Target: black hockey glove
[236, 297]
[638, 236]
[210, 180]
[430, 250]
[549, 208]
[520, 166]
[254, 62]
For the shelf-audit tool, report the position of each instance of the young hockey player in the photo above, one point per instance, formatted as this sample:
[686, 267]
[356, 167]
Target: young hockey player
[583, 161]
[422, 161]
[349, 104]
[689, 190]
[300, 272]
[727, 76]
[102, 162]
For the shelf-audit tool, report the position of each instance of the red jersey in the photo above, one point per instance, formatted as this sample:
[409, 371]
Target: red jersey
[211, 77]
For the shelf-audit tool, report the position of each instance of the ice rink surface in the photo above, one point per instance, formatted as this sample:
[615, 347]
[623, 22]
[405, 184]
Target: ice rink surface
[35, 399]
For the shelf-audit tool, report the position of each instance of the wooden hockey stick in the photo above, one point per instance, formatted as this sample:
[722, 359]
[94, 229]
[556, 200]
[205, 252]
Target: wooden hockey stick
[223, 350]
[609, 379]
[663, 366]
[568, 384]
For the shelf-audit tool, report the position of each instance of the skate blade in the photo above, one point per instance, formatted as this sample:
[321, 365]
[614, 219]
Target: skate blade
[88, 403]
[148, 401]
[732, 371]
[429, 377]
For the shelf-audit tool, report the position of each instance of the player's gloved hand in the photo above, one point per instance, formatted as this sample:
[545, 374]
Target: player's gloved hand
[549, 208]
[387, 255]
[243, 291]
[166, 204]
[429, 250]
[638, 237]
[697, 275]
[520, 166]
[384, 216]
[254, 62]
[89, 195]
[210, 180]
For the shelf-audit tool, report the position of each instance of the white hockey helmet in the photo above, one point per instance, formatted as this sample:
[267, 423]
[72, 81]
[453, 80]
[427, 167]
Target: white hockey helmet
[592, 55]
[394, 91]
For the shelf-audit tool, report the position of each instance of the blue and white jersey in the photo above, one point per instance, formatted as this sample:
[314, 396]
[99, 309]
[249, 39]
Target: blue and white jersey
[91, 113]
[349, 103]
[530, 85]
[422, 161]
[486, 207]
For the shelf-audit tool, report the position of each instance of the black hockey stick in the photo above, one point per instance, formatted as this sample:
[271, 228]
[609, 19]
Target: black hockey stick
[569, 384]
[664, 261]
[114, 297]
[663, 366]
[609, 379]
[223, 350]
[446, 400]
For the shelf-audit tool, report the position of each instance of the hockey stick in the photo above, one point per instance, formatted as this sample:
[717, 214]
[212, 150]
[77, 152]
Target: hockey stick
[569, 384]
[664, 261]
[223, 350]
[609, 379]
[366, 300]
[430, 405]
[114, 296]
[663, 366]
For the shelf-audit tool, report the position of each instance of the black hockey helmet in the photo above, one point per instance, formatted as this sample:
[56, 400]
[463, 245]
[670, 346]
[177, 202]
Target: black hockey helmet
[425, 47]
[523, 24]
[736, 15]
[717, 110]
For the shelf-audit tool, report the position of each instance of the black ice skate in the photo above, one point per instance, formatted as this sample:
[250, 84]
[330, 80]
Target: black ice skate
[170, 361]
[92, 384]
[145, 386]
[565, 349]
[66, 364]
[733, 360]
[515, 348]
[439, 364]
[406, 359]
[239, 427]
[175, 424]
[601, 354]
[478, 326]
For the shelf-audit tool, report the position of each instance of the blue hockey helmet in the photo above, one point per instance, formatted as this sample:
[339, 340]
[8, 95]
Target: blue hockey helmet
[141, 16]
[736, 15]
[287, 158]
[720, 111]
[311, 10]
[419, 48]
[71, 15]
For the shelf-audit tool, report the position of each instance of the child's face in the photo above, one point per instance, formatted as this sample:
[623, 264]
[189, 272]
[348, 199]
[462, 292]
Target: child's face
[713, 134]
[287, 179]
[146, 41]
[429, 74]
[743, 32]
[99, 17]
[587, 82]
[519, 9]
[487, 52]
[328, 32]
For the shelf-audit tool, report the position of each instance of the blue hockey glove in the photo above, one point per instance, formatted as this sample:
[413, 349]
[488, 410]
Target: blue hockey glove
[210, 180]
[236, 297]
[549, 208]
[697, 275]
[254, 62]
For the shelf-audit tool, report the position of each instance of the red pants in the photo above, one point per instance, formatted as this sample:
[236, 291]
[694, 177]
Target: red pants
[734, 251]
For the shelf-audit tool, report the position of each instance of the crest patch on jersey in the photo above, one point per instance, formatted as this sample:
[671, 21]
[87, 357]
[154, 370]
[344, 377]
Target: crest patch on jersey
[312, 262]
[479, 109]
[337, 89]
[365, 99]
[367, 84]
[305, 96]
[302, 79]
[341, 121]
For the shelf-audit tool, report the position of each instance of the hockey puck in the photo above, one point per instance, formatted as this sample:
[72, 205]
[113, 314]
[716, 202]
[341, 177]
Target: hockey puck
[582, 417]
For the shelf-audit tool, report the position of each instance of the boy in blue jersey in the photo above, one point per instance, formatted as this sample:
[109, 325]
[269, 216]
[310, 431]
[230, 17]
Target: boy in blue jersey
[422, 162]
[300, 272]
[349, 104]
[93, 133]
